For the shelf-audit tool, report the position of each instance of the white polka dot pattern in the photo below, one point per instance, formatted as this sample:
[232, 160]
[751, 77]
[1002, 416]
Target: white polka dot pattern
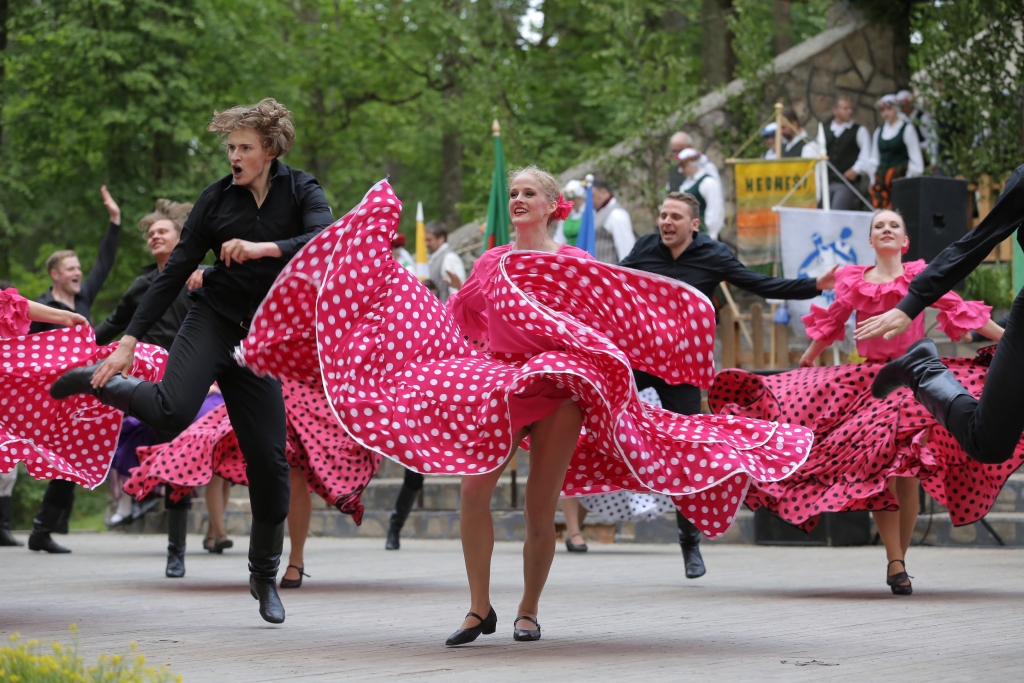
[405, 382]
[72, 439]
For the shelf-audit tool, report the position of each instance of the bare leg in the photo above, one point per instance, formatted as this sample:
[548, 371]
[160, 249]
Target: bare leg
[299, 511]
[553, 441]
[574, 514]
[216, 503]
[888, 523]
[477, 531]
[908, 494]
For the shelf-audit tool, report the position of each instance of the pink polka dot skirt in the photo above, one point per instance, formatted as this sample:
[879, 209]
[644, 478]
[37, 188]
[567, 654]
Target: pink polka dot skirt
[72, 439]
[860, 442]
[443, 390]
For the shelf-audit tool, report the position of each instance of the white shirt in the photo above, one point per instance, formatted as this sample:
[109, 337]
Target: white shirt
[620, 226]
[714, 212]
[453, 264]
[929, 138]
[863, 163]
[888, 132]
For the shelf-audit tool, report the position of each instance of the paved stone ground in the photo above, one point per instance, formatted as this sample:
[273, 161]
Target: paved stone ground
[621, 612]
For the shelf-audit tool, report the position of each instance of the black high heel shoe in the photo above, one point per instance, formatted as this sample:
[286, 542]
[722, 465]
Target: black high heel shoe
[895, 581]
[293, 583]
[520, 634]
[573, 547]
[468, 635]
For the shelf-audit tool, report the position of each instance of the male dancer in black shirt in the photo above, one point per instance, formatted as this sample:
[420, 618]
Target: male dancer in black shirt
[69, 293]
[680, 251]
[254, 220]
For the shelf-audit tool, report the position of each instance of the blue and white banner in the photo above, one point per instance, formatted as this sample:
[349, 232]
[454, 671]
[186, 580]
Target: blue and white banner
[813, 241]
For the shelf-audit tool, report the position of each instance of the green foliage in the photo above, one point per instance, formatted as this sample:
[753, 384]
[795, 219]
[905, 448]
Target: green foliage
[991, 284]
[33, 662]
[970, 66]
[28, 494]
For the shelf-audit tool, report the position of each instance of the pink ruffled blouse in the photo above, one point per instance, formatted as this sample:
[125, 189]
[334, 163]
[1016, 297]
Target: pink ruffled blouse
[854, 293]
[14, 320]
[473, 308]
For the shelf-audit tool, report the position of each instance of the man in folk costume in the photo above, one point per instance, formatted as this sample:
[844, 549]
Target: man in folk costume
[706, 189]
[443, 262]
[848, 147]
[677, 143]
[895, 152]
[923, 125]
[613, 228]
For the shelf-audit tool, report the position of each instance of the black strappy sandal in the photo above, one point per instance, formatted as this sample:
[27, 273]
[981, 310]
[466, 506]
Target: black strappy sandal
[293, 583]
[573, 547]
[468, 635]
[520, 634]
[896, 581]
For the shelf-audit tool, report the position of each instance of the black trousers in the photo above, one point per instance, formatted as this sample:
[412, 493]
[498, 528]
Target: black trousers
[682, 399]
[202, 354]
[60, 493]
[989, 429]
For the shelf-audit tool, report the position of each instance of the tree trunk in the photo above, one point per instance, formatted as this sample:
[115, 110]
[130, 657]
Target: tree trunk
[783, 26]
[451, 163]
[717, 59]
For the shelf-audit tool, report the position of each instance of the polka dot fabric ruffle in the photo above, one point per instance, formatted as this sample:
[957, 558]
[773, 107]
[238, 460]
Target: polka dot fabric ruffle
[405, 382]
[335, 468]
[73, 439]
[861, 442]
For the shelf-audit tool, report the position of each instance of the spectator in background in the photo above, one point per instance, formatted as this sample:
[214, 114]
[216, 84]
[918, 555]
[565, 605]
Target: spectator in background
[895, 152]
[677, 143]
[923, 125]
[848, 147]
[613, 228]
[566, 231]
[707, 191]
[402, 254]
[445, 267]
[69, 293]
[768, 137]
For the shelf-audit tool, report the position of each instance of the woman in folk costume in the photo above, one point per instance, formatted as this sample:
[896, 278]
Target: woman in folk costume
[895, 152]
[538, 343]
[870, 454]
[48, 435]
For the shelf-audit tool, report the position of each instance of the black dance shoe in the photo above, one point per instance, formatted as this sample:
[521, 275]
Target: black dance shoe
[265, 543]
[522, 635]
[468, 635]
[49, 519]
[117, 393]
[574, 548]
[899, 583]
[293, 583]
[692, 560]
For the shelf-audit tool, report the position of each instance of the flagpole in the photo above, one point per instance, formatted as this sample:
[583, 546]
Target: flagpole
[422, 271]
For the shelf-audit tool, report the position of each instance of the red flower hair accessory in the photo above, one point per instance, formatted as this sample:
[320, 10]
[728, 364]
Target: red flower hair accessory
[563, 209]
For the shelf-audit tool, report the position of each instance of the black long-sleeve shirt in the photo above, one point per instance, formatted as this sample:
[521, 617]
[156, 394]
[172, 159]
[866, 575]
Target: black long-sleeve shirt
[163, 332]
[956, 261]
[90, 288]
[706, 262]
[293, 212]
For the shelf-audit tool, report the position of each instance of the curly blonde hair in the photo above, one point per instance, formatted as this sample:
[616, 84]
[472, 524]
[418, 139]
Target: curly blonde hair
[166, 210]
[268, 117]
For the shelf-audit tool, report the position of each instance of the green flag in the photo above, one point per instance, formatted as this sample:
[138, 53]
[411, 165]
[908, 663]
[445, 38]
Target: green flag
[497, 208]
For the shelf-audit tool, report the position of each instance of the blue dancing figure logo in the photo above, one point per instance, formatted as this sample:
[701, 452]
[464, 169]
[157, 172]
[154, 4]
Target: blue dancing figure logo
[824, 256]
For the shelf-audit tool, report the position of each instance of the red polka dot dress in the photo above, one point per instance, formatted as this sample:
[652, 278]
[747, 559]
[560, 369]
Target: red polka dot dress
[73, 439]
[443, 390]
[860, 442]
[336, 468]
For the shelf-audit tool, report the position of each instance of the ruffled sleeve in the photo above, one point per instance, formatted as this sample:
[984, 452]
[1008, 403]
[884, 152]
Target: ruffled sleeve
[827, 325]
[958, 317]
[14, 320]
[469, 307]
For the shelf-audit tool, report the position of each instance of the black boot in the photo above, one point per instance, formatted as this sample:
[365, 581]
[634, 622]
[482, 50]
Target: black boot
[116, 394]
[47, 521]
[6, 537]
[403, 504]
[934, 386]
[265, 544]
[689, 541]
[177, 526]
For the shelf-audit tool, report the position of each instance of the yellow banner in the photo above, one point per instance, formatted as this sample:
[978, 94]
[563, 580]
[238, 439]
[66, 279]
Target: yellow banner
[761, 185]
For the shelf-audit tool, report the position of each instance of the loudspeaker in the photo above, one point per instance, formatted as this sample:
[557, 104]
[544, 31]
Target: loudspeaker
[834, 529]
[935, 210]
